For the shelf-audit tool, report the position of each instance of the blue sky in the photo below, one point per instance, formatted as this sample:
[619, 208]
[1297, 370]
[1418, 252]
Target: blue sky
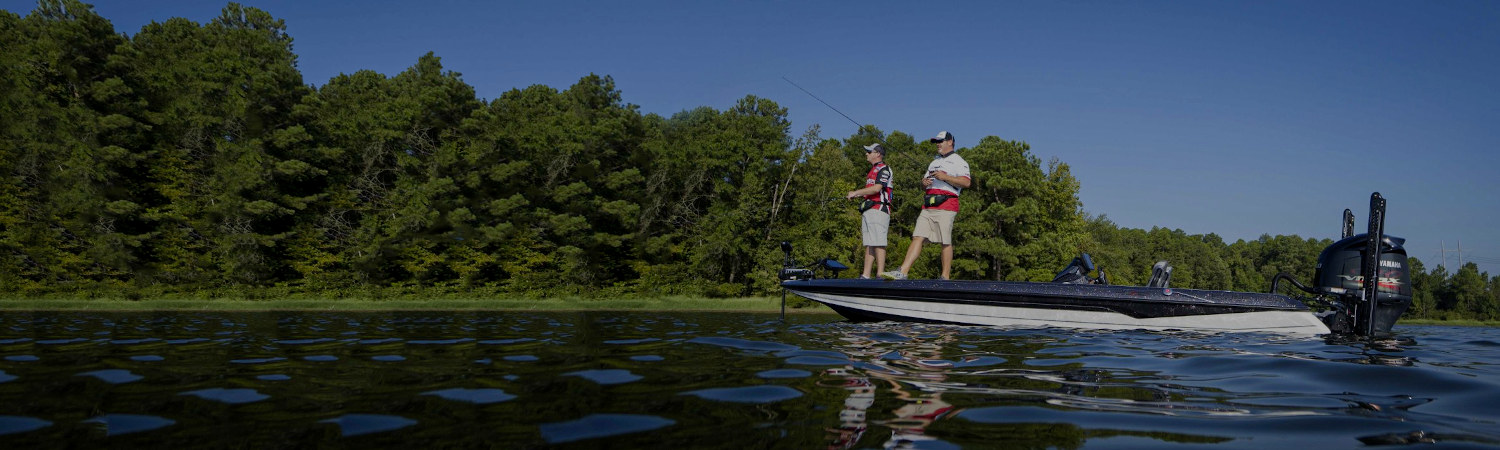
[1235, 118]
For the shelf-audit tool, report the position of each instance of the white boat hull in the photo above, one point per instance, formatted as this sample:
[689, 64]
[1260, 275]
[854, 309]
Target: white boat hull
[1287, 322]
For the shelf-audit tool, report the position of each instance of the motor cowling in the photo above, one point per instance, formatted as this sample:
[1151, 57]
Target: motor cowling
[1339, 274]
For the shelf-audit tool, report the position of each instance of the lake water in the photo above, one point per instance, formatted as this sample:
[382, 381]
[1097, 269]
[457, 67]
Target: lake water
[719, 380]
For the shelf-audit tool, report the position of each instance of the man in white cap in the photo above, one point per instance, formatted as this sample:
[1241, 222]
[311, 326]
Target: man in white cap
[947, 176]
[875, 207]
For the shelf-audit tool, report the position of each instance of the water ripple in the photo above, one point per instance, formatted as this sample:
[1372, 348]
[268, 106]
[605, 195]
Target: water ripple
[606, 376]
[61, 341]
[118, 424]
[887, 337]
[133, 341]
[257, 360]
[230, 396]
[21, 424]
[506, 341]
[630, 341]
[743, 344]
[748, 394]
[817, 361]
[303, 341]
[113, 376]
[358, 424]
[440, 341]
[979, 361]
[784, 373]
[479, 396]
[378, 341]
[601, 425]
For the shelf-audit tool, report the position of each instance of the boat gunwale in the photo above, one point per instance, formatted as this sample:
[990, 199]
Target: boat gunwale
[1132, 301]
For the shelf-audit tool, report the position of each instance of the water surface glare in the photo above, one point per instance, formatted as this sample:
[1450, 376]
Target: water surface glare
[719, 380]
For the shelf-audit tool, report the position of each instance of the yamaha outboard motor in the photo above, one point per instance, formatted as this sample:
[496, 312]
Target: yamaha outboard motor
[1339, 273]
[1360, 307]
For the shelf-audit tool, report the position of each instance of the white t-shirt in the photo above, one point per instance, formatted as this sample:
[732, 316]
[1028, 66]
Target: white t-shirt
[954, 165]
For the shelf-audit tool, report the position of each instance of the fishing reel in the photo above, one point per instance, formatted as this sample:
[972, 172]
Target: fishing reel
[790, 271]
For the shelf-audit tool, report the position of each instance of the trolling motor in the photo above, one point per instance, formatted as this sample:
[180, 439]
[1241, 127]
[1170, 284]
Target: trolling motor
[1365, 278]
[1077, 272]
[791, 271]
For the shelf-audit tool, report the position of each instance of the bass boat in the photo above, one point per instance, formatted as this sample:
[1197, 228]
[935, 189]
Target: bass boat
[1337, 304]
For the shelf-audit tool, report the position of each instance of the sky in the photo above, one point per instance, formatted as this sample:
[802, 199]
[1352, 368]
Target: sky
[1239, 118]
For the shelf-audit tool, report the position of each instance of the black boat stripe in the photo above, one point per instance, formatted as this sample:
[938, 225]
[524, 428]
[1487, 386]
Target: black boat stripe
[1130, 301]
[887, 316]
[1175, 309]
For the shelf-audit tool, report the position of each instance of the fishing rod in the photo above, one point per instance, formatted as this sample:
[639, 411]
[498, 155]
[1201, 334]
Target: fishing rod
[858, 125]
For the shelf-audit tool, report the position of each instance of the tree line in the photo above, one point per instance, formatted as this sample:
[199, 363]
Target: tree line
[193, 157]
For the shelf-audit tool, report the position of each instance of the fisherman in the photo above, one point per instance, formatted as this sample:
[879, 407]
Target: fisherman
[947, 176]
[875, 207]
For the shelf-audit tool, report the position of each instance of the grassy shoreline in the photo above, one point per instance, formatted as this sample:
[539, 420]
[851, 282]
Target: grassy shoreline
[1451, 323]
[750, 304]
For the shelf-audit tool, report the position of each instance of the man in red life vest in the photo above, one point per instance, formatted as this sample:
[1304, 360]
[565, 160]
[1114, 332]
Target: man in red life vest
[947, 176]
[875, 207]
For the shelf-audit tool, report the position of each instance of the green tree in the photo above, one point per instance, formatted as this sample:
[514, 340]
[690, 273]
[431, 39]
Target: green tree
[22, 229]
[570, 173]
[67, 149]
[745, 153]
[1424, 301]
[1263, 258]
[225, 172]
[1493, 299]
[1469, 292]
[392, 211]
[1442, 290]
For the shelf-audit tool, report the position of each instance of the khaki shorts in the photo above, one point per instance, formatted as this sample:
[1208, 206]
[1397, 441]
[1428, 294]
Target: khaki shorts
[936, 225]
[875, 225]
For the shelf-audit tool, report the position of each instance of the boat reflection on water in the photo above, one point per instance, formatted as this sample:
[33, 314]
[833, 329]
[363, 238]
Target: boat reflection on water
[908, 385]
[910, 368]
[904, 379]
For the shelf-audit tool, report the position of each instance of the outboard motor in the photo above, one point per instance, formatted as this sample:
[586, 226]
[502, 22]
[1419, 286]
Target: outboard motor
[1339, 274]
[1367, 309]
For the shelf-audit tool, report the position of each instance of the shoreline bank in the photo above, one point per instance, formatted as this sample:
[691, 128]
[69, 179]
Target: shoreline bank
[753, 304]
